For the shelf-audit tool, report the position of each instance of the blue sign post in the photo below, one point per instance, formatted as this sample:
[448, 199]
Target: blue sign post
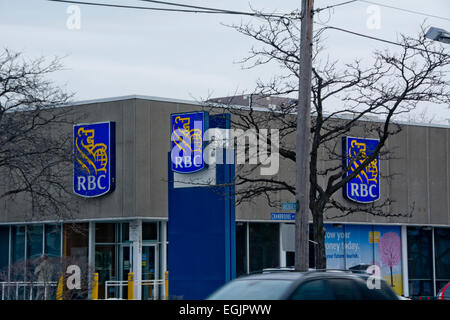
[365, 187]
[94, 159]
[187, 131]
[289, 216]
[201, 231]
[288, 206]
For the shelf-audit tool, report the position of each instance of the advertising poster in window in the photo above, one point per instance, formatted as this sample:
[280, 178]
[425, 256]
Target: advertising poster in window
[334, 246]
[388, 255]
[356, 247]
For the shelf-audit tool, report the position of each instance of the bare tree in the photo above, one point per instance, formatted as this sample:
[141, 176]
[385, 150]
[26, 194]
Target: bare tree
[35, 153]
[344, 97]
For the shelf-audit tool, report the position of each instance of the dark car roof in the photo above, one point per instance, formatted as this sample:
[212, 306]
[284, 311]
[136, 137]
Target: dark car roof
[279, 275]
[295, 278]
[296, 275]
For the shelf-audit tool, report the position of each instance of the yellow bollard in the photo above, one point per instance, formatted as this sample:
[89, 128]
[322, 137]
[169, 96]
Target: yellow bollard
[94, 295]
[59, 290]
[166, 284]
[131, 286]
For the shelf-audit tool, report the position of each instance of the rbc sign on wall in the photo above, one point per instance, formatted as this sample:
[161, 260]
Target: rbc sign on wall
[365, 187]
[94, 159]
[187, 141]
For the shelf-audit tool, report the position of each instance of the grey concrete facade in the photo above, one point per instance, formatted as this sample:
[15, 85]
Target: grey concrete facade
[420, 169]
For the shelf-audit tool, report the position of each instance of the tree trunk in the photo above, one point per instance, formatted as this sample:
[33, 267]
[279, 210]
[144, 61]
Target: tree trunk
[319, 239]
[392, 278]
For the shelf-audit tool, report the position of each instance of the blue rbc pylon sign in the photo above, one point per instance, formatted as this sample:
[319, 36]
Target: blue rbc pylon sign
[365, 187]
[94, 159]
[187, 131]
[201, 230]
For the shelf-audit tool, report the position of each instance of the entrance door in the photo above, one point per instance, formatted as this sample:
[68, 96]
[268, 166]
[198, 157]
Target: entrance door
[126, 259]
[105, 265]
[150, 291]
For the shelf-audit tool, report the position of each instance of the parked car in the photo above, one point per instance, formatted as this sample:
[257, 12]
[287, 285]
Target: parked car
[444, 293]
[359, 268]
[311, 285]
[384, 286]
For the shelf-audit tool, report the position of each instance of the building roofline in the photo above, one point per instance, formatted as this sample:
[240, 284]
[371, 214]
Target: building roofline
[130, 97]
[345, 117]
[218, 105]
[404, 123]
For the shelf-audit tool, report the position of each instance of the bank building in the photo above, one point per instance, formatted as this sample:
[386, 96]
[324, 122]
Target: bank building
[151, 213]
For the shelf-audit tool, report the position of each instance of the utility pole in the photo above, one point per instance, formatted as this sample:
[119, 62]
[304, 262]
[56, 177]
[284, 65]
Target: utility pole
[302, 139]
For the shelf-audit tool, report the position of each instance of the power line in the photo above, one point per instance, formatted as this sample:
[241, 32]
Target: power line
[210, 10]
[223, 11]
[404, 10]
[335, 5]
[128, 7]
[386, 6]
[213, 9]
[380, 39]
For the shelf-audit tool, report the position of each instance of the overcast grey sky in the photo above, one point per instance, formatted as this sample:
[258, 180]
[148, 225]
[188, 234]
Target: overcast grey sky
[183, 55]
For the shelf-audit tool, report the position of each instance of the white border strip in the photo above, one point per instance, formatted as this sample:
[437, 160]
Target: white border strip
[219, 105]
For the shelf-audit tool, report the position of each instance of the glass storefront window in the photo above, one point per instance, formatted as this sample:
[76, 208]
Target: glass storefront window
[4, 251]
[105, 262]
[17, 268]
[241, 248]
[75, 251]
[420, 288]
[27, 248]
[112, 255]
[34, 242]
[76, 241]
[442, 255]
[105, 232]
[53, 240]
[420, 265]
[264, 246]
[149, 231]
[149, 271]
[18, 243]
[125, 234]
[290, 259]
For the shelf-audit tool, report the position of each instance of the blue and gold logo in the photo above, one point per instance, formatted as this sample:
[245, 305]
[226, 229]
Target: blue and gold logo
[94, 159]
[187, 141]
[365, 187]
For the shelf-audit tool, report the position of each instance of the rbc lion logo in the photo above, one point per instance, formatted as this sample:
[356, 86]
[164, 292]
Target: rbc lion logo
[93, 159]
[365, 187]
[187, 141]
